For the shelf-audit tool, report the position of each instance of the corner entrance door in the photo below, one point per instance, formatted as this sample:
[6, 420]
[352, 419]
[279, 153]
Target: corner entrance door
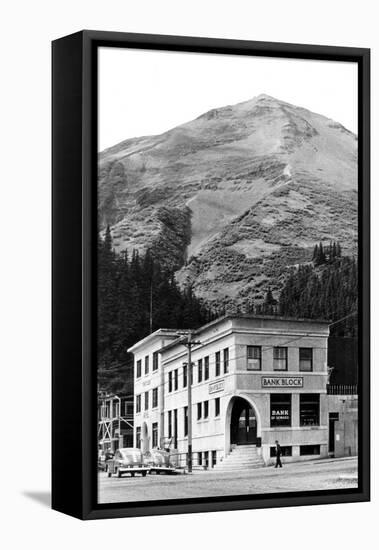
[243, 423]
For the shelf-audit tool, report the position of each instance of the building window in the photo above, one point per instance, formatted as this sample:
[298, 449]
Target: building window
[206, 368]
[309, 450]
[169, 422]
[146, 364]
[280, 358]
[254, 357]
[214, 458]
[170, 381]
[217, 406]
[218, 363]
[286, 451]
[280, 409]
[184, 376]
[146, 400]
[206, 409]
[138, 404]
[155, 434]
[226, 360]
[138, 437]
[206, 458]
[306, 359]
[139, 368]
[176, 378]
[199, 458]
[185, 421]
[200, 370]
[155, 398]
[309, 409]
[199, 411]
[155, 360]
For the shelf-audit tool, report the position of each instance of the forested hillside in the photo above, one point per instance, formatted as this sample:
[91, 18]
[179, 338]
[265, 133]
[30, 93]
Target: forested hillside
[136, 296]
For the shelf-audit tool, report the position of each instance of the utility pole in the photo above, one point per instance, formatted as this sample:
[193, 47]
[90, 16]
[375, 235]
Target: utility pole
[189, 343]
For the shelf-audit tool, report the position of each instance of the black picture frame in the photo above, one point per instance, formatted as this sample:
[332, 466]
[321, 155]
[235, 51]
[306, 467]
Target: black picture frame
[74, 174]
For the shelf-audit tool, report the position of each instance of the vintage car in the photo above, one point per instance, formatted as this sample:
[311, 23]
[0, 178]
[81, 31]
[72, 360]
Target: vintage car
[159, 461]
[127, 460]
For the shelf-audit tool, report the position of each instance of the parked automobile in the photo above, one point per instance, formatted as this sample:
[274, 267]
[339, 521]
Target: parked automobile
[159, 461]
[127, 460]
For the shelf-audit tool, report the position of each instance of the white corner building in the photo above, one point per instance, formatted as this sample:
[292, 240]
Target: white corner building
[256, 379]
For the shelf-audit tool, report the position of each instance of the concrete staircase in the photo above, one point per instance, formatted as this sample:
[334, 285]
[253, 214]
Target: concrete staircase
[242, 457]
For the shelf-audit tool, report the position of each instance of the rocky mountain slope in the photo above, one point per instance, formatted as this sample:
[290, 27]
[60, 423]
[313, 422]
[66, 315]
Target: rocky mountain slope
[234, 198]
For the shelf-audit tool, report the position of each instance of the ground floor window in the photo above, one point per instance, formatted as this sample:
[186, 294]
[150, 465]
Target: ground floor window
[206, 458]
[169, 422]
[286, 451]
[138, 437]
[200, 458]
[214, 458]
[155, 434]
[309, 450]
[280, 409]
[309, 409]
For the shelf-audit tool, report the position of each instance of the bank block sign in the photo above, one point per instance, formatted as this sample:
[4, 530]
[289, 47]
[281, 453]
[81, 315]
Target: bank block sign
[282, 382]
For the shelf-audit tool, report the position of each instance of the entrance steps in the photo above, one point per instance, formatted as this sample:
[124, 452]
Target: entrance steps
[242, 457]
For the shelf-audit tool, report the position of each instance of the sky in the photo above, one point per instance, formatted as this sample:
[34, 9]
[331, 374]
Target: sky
[149, 92]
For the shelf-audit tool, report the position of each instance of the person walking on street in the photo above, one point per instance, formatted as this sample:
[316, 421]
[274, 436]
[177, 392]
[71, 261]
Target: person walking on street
[278, 454]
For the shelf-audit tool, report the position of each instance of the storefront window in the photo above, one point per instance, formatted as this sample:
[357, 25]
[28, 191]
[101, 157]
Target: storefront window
[309, 409]
[280, 410]
[280, 358]
[155, 434]
[138, 438]
[254, 357]
[305, 359]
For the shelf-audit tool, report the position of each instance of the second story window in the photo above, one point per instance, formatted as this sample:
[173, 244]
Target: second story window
[155, 360]
[139, 368]
[217, 406]
[206, 368]
[184, 376]
[176, 379]
[280, 358]
[199, 407]
[254, 358]
[185, 421]
[170, 381]
[146, 364]
[155, 398]
[226, 360]
[206, 409]
[306, 359]
[138, 404]
[200, 370]
[146, 400]
[218, 363]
